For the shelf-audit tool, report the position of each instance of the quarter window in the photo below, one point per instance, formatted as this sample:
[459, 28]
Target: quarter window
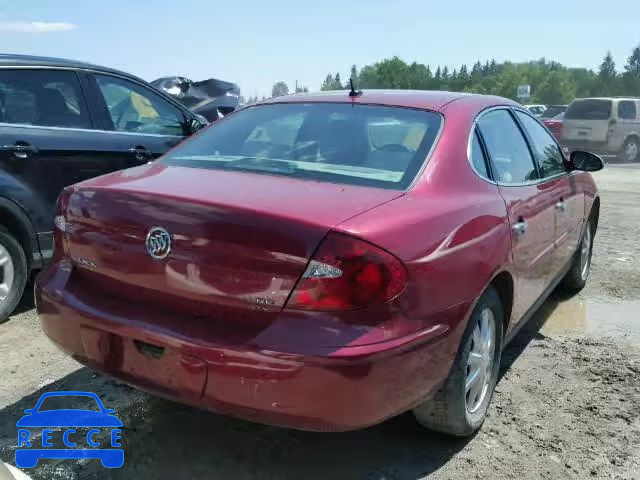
[510, 156]
[627, 110]
[477, 156]
[50, 98]
[134, 108]
[546, 150]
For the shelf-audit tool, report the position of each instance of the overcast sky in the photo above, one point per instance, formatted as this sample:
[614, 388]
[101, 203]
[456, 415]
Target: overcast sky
[257, 42]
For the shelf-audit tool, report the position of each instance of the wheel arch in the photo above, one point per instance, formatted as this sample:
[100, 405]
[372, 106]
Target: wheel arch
[595, 212]
[17, 223]
[503, 284]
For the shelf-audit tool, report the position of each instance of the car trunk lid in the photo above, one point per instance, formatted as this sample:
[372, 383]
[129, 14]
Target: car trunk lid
[240, 241]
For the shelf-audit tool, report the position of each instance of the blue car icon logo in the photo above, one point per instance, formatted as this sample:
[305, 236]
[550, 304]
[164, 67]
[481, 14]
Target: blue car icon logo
[36, 431]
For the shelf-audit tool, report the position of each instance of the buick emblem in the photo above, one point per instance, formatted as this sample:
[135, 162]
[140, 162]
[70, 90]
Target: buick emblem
[158, 243]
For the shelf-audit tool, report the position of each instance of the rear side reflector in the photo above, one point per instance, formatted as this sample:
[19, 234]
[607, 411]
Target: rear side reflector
[348, 274]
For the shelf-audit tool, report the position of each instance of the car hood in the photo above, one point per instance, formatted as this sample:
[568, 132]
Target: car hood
[69, 418]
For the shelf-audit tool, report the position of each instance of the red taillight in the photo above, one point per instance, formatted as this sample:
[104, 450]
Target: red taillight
[60, 224]
[348, 274]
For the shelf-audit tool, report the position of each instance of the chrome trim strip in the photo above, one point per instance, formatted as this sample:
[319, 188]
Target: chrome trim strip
[85, 130]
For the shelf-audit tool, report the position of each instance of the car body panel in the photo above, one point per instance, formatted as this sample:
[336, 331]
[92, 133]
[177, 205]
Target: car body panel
[239, 246]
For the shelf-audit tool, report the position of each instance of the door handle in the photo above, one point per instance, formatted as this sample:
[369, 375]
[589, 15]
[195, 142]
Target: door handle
[140, 153]
[561, 205]
[20, 150]
[520, 227]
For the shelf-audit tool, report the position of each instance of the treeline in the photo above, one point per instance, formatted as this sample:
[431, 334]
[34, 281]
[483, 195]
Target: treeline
[551, 82]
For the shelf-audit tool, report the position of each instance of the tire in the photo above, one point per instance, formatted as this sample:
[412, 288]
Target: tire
[13, 274]
[577, 276]
[451, 410]
[630, 151]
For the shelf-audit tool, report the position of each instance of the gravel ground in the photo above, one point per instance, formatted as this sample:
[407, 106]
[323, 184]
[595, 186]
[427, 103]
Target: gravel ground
[566, 405]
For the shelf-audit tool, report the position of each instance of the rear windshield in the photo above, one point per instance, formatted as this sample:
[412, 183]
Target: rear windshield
[589, 110]
[343, 143]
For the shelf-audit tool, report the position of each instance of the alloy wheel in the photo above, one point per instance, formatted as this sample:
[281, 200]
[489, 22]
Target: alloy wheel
[480, 360]
[631, 150]
[6, 274]
[585, 253]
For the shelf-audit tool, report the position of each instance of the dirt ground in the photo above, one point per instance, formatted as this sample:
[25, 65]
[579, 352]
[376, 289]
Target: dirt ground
[567, 404]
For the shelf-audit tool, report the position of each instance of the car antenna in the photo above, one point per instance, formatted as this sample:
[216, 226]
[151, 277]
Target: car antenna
[354, 93]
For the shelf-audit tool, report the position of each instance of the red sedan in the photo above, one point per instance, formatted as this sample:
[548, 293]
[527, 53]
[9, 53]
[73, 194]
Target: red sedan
[554, 124]
[325, 261]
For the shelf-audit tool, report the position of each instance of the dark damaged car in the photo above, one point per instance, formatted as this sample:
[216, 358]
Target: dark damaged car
[210, 98]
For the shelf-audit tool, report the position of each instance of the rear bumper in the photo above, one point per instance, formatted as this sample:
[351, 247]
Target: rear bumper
[342, 389]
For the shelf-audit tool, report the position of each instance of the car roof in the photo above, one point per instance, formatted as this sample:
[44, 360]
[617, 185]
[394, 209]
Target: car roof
[607, 98]
[13, 60]
[424, 99]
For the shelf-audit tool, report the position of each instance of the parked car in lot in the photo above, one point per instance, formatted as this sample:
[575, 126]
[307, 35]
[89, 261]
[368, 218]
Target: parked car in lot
[608, 126]
[325, 261]
[554, 124]
[553, 111]
[537, 110]
[62, 122]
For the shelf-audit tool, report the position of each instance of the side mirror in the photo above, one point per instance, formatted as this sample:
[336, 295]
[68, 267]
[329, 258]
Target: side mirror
[585, 161]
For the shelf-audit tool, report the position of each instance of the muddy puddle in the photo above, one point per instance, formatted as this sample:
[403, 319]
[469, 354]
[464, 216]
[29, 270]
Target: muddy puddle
[592, 317]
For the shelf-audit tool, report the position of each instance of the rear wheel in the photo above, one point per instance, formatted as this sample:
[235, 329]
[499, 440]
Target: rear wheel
[13, 274]
[460, 406]
[630, 150]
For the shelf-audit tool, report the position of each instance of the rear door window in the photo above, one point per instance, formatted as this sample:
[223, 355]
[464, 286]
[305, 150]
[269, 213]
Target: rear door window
[589, 109]
[511, 159]
[627, 110]
[546, 150]
[343, 143]
[136, 109]
[50, 98]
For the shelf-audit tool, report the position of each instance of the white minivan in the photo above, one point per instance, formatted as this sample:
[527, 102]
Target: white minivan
[606, 126]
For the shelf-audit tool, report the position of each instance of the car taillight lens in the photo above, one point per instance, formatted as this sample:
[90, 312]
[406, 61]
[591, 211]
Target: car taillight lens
[348, 274]
[61, 225]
